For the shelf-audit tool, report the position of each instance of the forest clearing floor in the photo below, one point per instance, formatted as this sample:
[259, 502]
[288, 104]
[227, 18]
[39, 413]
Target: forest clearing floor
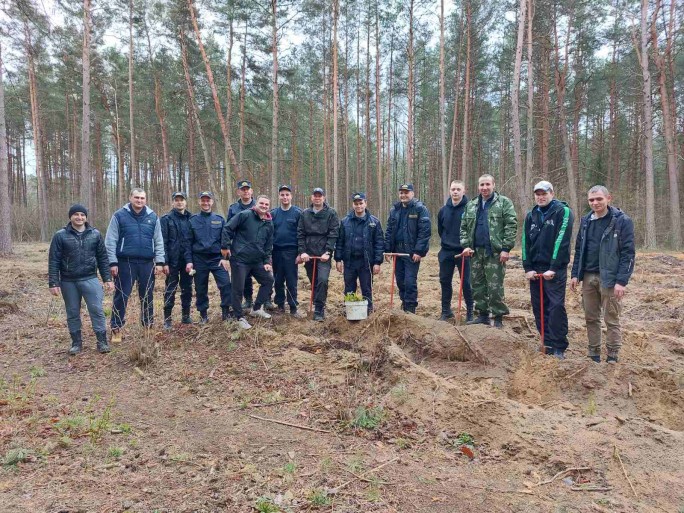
[403, 413]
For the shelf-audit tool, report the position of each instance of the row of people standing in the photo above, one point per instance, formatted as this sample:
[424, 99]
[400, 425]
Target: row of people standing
[476, 237]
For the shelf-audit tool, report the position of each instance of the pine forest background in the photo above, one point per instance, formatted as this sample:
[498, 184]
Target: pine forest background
[97, 97]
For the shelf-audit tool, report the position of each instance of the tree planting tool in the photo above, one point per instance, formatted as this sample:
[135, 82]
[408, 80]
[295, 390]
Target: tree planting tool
[313, 281]
[460, 287]
[394, 270]
[540, 277]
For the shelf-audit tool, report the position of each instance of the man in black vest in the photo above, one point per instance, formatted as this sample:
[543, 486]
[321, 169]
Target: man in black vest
[408, 231]
[134, 244]
[176, 230]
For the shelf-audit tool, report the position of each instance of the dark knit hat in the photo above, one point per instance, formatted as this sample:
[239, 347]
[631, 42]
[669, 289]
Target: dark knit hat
[77, 208]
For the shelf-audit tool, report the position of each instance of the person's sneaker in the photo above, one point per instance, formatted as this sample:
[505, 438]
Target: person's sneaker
[76, 343]
[204, 317]
[102, 345]
[260, 313]
[268, 305]
[168, 325]
[297, 314]
[243, 324]
[186, 319]
[247, 304]
[446, 315]
[319, 316]
[559, 354]
[480, 319]
[595, 358]
[498, 322]
[612, 359]
[117, 337]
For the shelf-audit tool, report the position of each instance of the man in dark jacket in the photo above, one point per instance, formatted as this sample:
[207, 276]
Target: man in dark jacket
[358, 252]
[77, 253]
[547, 231]
[449, 229]
[408, 231]
[248, 241]
[203, 255]
[245, 202]
[176, 230]
[604, 262]
[317, 232]
[285, 220]
[134, 245]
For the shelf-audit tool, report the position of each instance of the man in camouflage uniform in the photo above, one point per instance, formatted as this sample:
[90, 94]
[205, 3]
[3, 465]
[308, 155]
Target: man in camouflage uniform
[488, 231]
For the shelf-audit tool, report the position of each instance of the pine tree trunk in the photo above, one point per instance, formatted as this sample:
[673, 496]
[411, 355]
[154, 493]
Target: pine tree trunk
[529, 164]
[86, 175]
[5, 206]
[335, 182]
[243, 93]
[368, 151]
[647, 131]
[378, 126]
[442, 104]
[276, 99]
[133, 169]
[411, 97]
[466, 96]
[515, 106]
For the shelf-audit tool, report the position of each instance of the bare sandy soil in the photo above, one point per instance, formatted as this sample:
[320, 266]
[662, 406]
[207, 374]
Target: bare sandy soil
[397, 413]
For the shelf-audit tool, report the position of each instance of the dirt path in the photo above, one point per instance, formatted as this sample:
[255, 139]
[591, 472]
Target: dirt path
[389, 404]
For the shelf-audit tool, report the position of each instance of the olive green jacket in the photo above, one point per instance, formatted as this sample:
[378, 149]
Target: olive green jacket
[503, 223]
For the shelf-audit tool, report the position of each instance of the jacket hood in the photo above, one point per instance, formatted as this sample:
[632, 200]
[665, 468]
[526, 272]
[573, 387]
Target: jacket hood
[554, 205]
[463, 201]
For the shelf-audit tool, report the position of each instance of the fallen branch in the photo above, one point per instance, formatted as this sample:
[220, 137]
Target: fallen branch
[574, 373]
[298, 426]
[591, 488]
[561, 474]
[478, 354]
[375, 469]
[365, 479]
[616, 453]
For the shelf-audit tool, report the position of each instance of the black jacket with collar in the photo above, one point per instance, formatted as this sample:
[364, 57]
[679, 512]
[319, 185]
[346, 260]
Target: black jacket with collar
[77, 256]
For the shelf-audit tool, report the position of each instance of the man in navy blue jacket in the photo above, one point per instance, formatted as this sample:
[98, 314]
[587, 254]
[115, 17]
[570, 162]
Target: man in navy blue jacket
[134, 244]
[245, 202]
[604, 262]
[547, 231]
[176, 230]
[203, 254]
[408, 231]
[358, 252]
[449, 229]
[285, 268]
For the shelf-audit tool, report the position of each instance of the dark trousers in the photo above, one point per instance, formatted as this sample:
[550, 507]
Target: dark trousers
[358, 269]
[177, 275]
[204, 266]
[321, 285]
[248, 290]
[285, 274]
[263, 277]
[447, 264]
[555, 316]
[131, 271]
[407, 281]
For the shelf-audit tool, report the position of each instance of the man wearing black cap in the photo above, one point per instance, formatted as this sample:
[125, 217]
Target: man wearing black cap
[408, 231]
[245, 202]
[203, 254]
[317, 232]
[176, 231]
[285, 219]
[77, 253]
[547, 230]
[134, 245]
[358, 252]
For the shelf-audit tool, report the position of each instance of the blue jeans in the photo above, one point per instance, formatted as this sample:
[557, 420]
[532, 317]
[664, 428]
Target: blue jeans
[131, 271]
[91, 291]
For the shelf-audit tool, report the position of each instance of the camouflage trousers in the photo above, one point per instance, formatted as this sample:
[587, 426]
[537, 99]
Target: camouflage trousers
[487, 281]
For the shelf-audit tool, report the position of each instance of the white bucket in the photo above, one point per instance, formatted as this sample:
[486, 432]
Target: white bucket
[356, 310]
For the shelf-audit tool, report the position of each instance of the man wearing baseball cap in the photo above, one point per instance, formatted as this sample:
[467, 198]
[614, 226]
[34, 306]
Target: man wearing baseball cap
[203, 254]
[245, 202]
[358, 252]
[285, 220]
[408, 231]
[317, 232]
[547, 231]
[77, 253]
[175, 227]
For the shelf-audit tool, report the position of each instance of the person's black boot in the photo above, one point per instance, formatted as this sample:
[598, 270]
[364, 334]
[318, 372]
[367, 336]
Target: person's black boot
[225, 313]
[76, 343]
[102, 345]
[411, 309]
[469, 313]
[483, 318]
[186, 318]
[446, 315]
[498, 322]
[204, 317]
[247, 304]
[319, 315]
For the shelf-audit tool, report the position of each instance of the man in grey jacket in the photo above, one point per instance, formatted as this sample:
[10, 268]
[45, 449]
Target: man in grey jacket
[134, 245]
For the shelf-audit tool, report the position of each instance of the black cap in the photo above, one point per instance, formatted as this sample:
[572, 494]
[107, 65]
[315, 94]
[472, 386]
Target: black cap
[406, 187]
[284, 187]
[358, 196]
[207, 194]
[77, 208]
[179, 193]
[243, 183]
[318, 190]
